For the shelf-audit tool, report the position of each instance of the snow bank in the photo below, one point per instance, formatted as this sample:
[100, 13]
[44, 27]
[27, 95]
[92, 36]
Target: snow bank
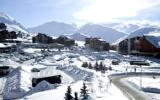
[43, 86]
[17, 84]
[149, 85]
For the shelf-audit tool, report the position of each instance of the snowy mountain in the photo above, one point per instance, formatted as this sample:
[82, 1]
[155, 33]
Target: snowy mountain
[143, 31]
[11, 23]
[95, 30]
[78, 36]
[53, 28]
[129, 27]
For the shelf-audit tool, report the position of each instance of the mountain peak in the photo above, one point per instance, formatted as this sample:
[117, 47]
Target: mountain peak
[78, 36]
[11, 23]
[106, 33]
[144, 31]
[54, 28]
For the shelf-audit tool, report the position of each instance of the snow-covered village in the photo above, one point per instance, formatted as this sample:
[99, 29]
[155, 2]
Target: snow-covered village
[55, 60]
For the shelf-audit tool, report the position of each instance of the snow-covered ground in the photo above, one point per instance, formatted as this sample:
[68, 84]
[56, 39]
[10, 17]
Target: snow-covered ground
[150, 85]
[68, 65]
[2, 83]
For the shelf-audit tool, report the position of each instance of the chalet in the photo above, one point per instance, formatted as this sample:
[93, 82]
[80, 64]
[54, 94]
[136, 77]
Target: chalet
[97, 44]
[51, 80]
[45, 74]
[4, 70]
[144, 45]
[42, 38]
[65, 41]
[4, 34]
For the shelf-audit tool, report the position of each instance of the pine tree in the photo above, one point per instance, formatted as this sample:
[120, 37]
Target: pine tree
[68, 95]
[110, 68]
[96, 66]
[85, 65]
[75, 96]
[101, 66]
[90, 66]
[84, 92]
[3, 26]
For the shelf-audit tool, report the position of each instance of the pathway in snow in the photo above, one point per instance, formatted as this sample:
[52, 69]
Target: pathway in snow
[131, 92]
[2, 84]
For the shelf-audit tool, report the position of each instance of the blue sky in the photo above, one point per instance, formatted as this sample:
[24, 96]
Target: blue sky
[34, 12]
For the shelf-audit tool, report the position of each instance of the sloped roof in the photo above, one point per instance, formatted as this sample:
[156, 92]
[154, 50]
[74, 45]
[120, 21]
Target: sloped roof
[153, 39]
[18, 83]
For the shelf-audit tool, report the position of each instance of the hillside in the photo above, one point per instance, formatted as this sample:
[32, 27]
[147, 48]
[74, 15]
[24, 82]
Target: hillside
[53, 28]
[95, 30]
[143, 31]
[11, 23]
[78, 36]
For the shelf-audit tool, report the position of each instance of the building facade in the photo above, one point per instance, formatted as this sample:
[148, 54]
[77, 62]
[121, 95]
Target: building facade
[97, 44]
[144, 45]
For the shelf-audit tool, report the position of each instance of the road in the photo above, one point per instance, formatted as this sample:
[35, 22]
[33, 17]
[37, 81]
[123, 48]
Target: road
[131, 92]
[2, 84]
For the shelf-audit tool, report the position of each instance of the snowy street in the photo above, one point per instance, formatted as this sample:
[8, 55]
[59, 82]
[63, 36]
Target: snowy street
[130, 91]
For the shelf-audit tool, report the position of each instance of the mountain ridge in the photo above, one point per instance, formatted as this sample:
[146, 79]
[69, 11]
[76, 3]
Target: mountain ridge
[11, 23]
[93, 30]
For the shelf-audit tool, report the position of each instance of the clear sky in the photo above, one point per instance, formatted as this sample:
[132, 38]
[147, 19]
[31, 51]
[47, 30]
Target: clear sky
[34, 12]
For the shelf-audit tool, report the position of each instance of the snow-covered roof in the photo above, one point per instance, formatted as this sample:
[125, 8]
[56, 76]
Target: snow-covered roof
[18, 83]
[46, 72]
[43, 86]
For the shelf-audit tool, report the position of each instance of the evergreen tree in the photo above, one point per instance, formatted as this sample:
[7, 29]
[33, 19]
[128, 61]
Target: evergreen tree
[68, 95]
[110, 68]
[90, 66]
[96, 66]
[101, 66]
[3, 26]
[84, 92]
[75, 96]
[85, 65]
